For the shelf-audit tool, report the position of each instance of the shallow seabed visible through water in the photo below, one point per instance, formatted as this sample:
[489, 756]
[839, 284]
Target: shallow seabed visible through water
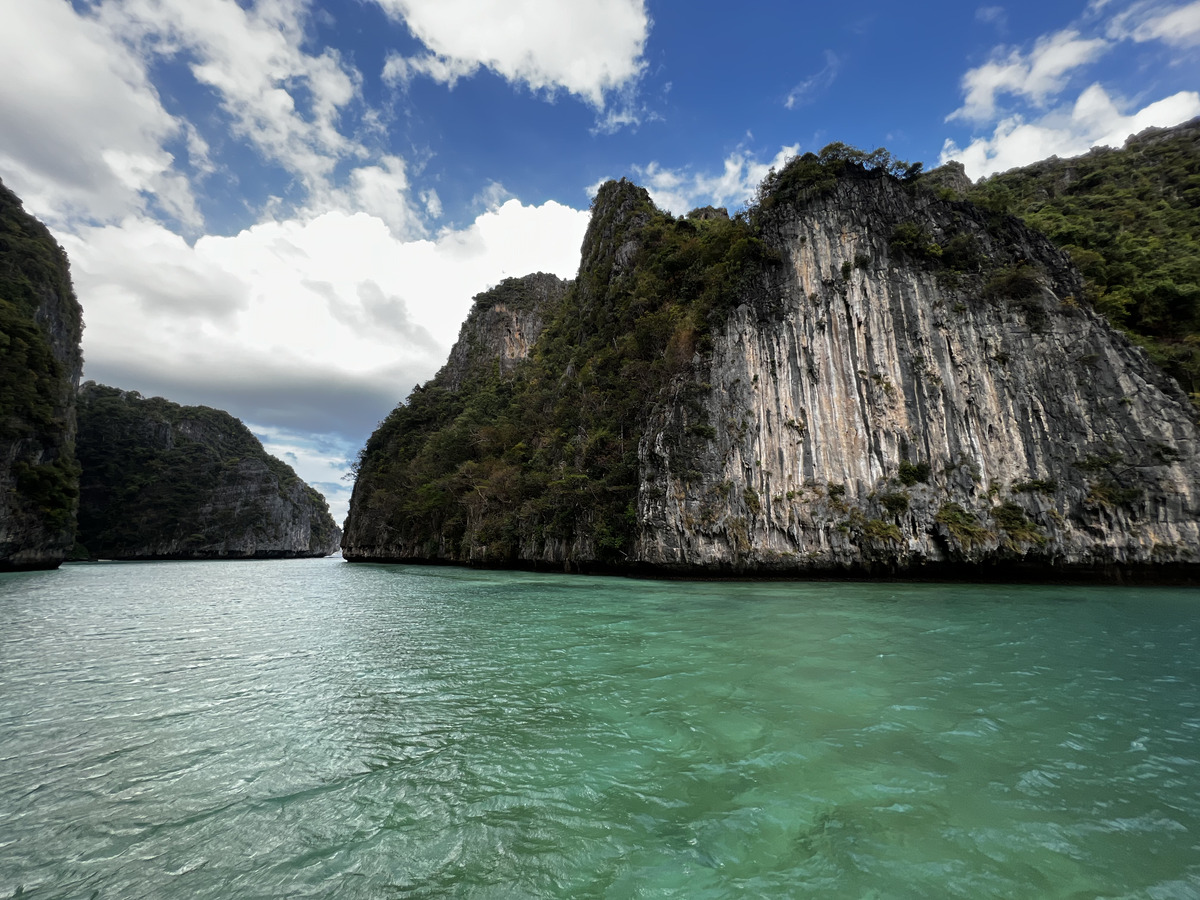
[315, 728]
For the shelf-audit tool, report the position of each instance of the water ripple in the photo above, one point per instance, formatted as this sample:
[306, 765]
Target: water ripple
[315, 729]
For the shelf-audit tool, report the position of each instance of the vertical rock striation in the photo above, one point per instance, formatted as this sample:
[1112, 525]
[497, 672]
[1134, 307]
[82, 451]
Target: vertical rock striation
[900, 410]
[854, 377]
[40, 364]
[164, 481]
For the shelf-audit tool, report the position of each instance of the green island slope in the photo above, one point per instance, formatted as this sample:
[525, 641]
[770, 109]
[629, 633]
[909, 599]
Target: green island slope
[164, 481]
[855, 376]
[489, 461]
[40, 362]
[1130, 218]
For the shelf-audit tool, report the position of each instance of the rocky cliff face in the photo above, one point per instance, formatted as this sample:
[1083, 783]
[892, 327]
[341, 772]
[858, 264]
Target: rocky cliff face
[860, 378]
[1129, 217]
[905, 411]
[40, 363]
[502, 327]
[163, 481]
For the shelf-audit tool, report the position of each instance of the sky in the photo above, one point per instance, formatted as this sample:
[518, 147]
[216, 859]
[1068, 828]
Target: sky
[283, 208]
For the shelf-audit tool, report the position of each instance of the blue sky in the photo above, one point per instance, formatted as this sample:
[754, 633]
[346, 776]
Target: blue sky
[283, 207]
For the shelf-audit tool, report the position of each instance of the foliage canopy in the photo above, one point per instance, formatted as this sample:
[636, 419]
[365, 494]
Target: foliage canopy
[36, 382]
[1130, 218]
[151, 468]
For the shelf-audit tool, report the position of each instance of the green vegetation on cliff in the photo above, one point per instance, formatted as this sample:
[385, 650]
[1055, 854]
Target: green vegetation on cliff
[550, 454]
[817, 173]
[40, 329]
[160, 479]
[607, 445]
[1130, 218]
[544, 459]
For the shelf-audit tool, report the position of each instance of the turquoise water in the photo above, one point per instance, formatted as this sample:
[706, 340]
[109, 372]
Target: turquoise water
[319, 729]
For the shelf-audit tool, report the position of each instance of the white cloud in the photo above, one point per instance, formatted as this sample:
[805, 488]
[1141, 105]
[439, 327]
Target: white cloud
[151, 272]
[1093, 120]
[492, 197]
[992, 15]
[398, 70]
[87, 136]
[807, 89]
[1150, 21]
[1038, 76]
[624, 110]
[433, 203]
[680, 191]
[308, 326]
[84, 129]
[337, 291]
[616, 119]
[587, 47]
[1038, 123]
[252, 58]
[381, 190]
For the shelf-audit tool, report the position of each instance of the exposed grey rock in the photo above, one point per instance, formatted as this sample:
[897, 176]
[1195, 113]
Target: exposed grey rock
[951, 176]
[502, 326]
[918, 389]
[707, 213]
[1048, 437]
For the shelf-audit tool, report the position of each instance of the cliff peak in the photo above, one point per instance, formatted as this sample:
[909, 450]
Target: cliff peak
[502, 326]
[618, 208]
[854, 376]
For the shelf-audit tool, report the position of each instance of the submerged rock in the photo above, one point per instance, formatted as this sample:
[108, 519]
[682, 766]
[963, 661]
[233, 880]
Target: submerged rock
[164, 481]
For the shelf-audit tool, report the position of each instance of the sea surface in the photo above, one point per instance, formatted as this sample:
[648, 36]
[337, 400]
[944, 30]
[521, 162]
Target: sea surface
[316, 728]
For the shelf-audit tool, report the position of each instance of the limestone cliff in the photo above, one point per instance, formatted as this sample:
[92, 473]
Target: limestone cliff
[163, 481]
[503, 324]
[40, 363]
[904, 410]
[853, 377]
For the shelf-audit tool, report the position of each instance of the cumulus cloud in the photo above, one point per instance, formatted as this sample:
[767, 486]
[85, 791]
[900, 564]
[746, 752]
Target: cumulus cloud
[1036, 76]
[680, 190]
[382, 190]
[252, 58]
[153, 272]
[1095, 119]
[87, 135]
[1038, 121]
[85, 131]
[588, 48]
[313, 326]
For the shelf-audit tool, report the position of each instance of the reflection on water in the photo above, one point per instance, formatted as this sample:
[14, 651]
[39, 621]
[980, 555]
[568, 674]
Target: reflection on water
[312, 728]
